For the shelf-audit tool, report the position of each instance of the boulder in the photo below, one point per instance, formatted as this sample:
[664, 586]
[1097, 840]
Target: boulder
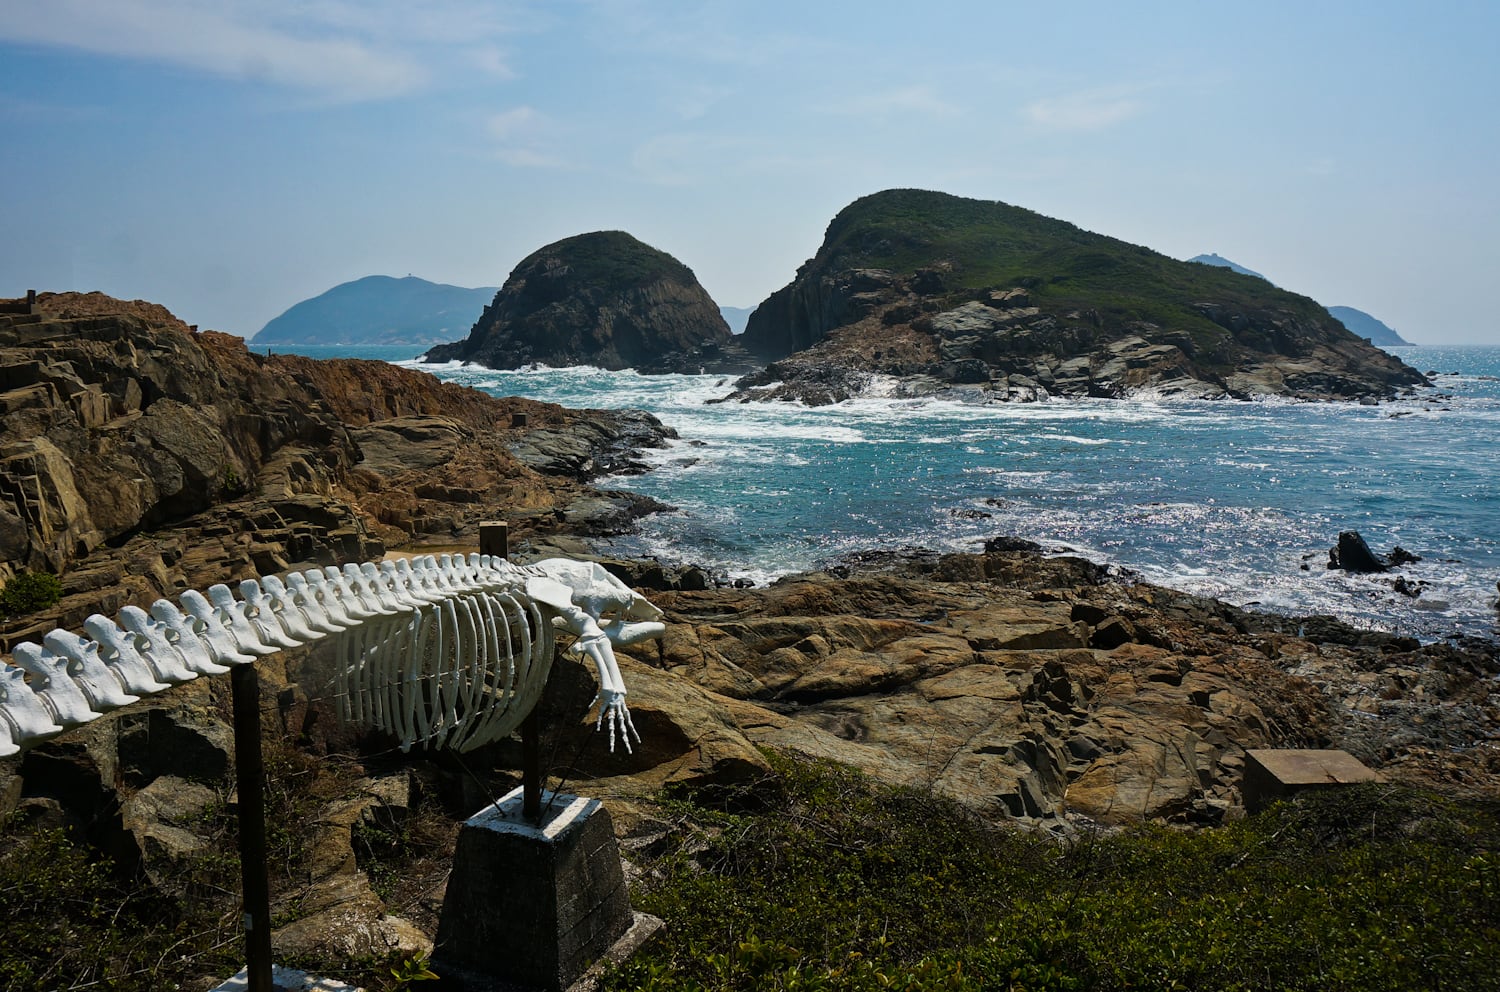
[1352, 554]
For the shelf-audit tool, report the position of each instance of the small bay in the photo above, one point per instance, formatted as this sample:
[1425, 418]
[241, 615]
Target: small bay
[1238, 501]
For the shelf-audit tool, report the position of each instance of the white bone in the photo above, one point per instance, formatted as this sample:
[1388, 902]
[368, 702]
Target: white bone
[449, 651]
[67, 701]
[378, 591]
[399, 580]
[274, 615]
[115, 649]
[315, 598]
[211, 629]
[104, 686]
[26, 717]
[149, 638]
[182, 635]
[367, 592]
[233, 615]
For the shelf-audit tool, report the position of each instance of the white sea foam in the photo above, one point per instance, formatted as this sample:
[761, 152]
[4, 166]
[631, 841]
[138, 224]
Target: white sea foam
[1222, 498]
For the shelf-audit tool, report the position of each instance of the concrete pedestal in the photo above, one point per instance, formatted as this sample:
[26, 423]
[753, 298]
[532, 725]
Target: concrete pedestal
[1273, 774]
[531, 907]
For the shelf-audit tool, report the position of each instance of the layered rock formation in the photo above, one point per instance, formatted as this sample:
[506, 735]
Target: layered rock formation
[602, 299]
[138, 458]
[1041, 688]
[940, 292]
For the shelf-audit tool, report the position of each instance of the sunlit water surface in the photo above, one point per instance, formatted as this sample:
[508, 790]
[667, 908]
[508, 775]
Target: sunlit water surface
[1226, 499]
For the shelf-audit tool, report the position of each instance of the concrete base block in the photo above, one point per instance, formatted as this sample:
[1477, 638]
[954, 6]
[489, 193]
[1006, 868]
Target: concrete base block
[1272, 774]
[531, 907]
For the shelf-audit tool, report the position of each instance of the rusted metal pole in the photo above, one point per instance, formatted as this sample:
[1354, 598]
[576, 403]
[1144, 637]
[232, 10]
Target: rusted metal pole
[494, 539]
[250, 778]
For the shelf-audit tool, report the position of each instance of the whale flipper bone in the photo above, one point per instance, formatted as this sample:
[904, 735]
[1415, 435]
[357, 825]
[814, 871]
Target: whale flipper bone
[120, 655]
[210, 628]
[149, 637]
[66, 700]
[26, 716]
[274, 614]
[234, 617]
[184, 638]
[104, 687]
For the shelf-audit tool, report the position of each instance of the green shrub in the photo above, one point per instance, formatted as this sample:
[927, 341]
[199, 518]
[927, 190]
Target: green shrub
[842, 884]
[28, 593]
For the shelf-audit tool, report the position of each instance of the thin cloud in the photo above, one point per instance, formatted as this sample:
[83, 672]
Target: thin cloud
[1092, 110]
[339, 50]
[523, 136]
[917, 99]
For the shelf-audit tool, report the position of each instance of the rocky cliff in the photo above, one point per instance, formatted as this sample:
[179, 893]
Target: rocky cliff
[992, 300]
[601, 299]
[139, 458]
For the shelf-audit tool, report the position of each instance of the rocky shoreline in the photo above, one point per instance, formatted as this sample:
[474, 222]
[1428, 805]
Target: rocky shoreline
[141, 458]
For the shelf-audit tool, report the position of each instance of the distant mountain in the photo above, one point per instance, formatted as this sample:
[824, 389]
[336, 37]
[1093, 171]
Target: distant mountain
[736, 318]
[1357, 321]
[1368, 327]
[1224, 263]
[380, 310]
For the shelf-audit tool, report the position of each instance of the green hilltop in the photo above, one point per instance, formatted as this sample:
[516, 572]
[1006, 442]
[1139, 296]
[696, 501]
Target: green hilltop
[988, 243]
[913, 283]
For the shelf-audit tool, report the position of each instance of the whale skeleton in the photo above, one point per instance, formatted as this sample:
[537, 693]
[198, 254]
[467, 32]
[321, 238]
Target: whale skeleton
[443, 651]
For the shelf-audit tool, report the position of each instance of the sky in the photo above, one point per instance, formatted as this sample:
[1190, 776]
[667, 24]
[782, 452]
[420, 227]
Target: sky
[229, 159]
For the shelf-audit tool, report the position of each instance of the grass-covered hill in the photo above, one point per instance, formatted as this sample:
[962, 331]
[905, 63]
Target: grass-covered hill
[603, 298]
[1039, 287]
[379, 310]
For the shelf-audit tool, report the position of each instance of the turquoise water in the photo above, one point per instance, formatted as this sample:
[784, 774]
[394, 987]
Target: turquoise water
[1225, 499]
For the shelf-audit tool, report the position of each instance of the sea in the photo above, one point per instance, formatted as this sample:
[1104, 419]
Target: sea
[1240, 501]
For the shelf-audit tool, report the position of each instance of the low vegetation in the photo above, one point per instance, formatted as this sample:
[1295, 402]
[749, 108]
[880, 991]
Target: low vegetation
[840, 884]
[1063, 267]
[820, 879]
[28, 593]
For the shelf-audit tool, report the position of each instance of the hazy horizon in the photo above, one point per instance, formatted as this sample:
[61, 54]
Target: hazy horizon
[230, 160]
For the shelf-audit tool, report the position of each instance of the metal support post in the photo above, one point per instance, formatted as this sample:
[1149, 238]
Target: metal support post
[250, 779]
[494, 539]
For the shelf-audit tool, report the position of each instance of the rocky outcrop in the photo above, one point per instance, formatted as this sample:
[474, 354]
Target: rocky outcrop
[601, 299]
[1043, 688]
[915, 293]
[139, 458]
